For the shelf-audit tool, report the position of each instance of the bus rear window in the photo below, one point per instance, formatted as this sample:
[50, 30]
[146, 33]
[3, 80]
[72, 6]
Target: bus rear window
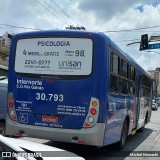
[54, 56]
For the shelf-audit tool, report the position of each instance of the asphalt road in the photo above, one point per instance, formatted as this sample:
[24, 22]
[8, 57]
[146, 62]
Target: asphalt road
[139, 144]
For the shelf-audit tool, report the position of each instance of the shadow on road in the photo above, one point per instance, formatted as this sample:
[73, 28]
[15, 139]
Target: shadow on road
[90, 152]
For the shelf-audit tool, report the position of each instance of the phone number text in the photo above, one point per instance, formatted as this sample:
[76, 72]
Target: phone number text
[39, 62]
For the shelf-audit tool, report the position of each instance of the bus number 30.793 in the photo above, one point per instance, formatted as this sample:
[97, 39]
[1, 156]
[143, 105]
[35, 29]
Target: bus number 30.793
[49, 97]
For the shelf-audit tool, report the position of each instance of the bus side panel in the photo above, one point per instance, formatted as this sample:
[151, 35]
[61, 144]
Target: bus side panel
[118, 109]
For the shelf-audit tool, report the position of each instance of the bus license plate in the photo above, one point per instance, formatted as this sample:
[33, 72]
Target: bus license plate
[46, 118]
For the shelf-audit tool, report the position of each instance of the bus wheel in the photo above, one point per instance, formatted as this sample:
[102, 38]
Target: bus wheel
[120, 145]
[2, 129]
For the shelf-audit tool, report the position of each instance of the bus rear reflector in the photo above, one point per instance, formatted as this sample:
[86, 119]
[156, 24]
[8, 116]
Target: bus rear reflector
[14, 118]
[80, 142]
[93, 111]
[19, 134]
[86, 124]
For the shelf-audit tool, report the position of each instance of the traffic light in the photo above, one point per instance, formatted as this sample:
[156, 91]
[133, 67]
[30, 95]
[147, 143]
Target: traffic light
[144, 42]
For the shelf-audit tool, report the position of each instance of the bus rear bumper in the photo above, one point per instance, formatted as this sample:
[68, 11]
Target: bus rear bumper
[88, 136]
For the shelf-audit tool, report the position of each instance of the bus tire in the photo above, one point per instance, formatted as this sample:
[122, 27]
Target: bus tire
[2, 129]
[124, 133]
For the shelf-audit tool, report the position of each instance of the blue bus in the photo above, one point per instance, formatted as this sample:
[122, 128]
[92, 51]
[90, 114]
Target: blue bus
[76, 87]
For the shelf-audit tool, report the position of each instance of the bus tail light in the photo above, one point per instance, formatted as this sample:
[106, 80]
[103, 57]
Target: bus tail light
[18, 134]
[94, 103]
[93, 113]
[90, 119]
[10, 98]
[10, 104]
[11, 108]
[12, 113]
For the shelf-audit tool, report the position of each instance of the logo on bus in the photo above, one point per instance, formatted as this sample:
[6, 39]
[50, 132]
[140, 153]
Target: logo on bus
[70, 64]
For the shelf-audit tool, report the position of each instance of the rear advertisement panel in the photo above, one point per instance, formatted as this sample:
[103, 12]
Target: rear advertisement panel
[54, 56]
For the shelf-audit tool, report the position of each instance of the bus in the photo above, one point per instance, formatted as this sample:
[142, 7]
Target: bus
[76, 87]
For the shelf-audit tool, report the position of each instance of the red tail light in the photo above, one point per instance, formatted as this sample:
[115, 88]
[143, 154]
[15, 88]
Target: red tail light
[93, 111]
[11, 105]
[11, 108]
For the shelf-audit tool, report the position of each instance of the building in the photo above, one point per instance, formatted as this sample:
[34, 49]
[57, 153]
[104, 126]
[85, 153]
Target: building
[156, 75]
[4, 49]
[4, 40]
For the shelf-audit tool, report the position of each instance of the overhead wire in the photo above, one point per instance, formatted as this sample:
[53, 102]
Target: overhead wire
[126, 30]
[127, 40]
[134, 29]
[20, 27]
[129, 30]
[64, 12]
[51, 12]
[141, 28]
[57, 12]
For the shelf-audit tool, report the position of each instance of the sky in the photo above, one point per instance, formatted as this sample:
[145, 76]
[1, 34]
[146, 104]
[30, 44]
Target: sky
[108, 16]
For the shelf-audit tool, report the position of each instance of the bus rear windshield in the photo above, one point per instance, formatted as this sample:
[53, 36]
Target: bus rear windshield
[54, 56]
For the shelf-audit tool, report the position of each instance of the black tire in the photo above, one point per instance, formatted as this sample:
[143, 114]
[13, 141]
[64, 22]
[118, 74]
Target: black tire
[2, 129]
[120, 145]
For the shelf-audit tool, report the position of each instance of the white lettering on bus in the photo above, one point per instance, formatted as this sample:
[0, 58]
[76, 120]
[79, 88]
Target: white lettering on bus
[29, 82]
[53, 43]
